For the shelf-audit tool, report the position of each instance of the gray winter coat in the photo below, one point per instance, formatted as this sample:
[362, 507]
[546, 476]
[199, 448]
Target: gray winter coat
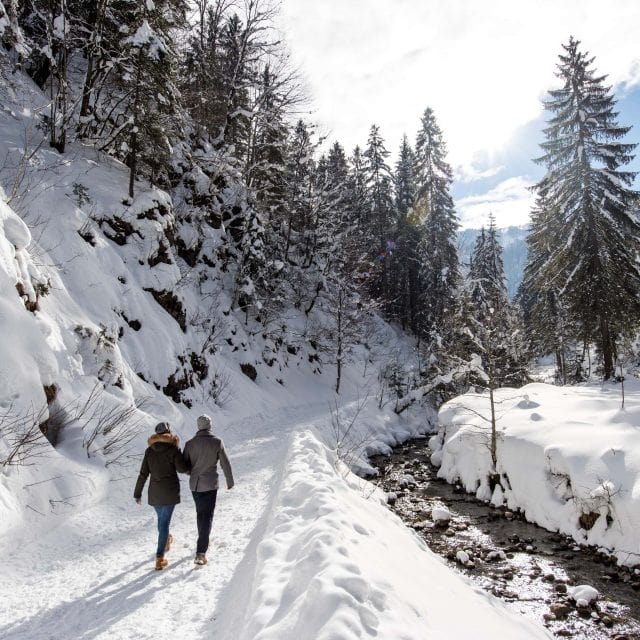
[202, 454]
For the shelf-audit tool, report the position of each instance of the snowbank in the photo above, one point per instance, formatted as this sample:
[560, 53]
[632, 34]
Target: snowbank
[568, 457]
[334, 562]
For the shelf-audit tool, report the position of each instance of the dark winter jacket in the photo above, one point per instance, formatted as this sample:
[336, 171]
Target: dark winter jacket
[202, 454]
[162, 460]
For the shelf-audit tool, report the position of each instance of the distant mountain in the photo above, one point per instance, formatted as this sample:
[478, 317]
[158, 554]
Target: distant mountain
[514, 245]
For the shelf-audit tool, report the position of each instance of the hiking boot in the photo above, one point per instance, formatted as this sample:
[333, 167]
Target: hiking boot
[169, 542]
[201, 558]
[161, 562]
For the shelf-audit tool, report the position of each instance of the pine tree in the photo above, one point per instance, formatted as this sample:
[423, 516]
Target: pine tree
[333, 180]
[356, 238]
[266, 166]
[495, 320]
[130, 104]
[434, 209]
[587, 195]
[486, 270]
[338, 180]
[382, 217]
[299, 181]
[358, 202]
[101, 49]
[540, 298]
[405, 277]
[58, 34]
[203, 84]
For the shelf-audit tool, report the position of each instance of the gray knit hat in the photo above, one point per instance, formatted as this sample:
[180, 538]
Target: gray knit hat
[204, 422]
[162, 427]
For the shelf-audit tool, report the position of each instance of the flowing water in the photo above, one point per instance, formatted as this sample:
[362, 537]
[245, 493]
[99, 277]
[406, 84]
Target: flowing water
[528, 567]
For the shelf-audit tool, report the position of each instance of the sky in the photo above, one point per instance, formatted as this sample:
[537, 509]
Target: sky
[483, 66]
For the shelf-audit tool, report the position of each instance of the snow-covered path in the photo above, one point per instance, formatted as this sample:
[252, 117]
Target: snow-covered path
[300, 552]
[92, 577]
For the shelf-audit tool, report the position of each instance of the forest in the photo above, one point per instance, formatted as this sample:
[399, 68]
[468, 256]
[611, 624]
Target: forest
[201, 99]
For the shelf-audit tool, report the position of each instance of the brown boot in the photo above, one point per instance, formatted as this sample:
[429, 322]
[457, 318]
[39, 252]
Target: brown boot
[169, 543]
[201, 558]
[161, 562]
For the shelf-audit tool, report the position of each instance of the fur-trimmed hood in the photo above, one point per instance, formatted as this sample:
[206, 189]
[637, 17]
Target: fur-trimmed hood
[163, 438]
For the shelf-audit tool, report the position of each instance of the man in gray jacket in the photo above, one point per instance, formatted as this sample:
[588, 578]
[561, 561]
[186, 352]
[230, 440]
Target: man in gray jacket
[202, 454]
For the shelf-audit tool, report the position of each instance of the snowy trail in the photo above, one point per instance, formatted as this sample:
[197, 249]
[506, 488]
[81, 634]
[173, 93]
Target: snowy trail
[92, 577]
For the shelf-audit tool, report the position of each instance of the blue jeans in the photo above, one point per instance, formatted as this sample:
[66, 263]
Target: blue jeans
[164, 514]
[205, 506]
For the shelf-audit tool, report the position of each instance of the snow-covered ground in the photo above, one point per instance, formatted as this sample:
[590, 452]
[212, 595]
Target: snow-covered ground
[569, 458]
[302, 549]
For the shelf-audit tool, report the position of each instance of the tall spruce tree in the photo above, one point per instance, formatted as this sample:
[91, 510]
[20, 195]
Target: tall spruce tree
[265, 169]
[356, 237]
[540, 299]
[405, 276]
[382, 215]
[439, 273]
[494, 319]
[587, 194]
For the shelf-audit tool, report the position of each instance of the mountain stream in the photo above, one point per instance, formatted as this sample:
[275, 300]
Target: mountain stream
[529, 568]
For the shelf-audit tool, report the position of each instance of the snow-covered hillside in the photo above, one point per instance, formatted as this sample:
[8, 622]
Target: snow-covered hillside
[105, 331]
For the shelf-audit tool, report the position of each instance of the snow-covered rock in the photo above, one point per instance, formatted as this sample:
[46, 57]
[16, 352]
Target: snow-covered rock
[583, 594]
[463, 557]
[440, 514]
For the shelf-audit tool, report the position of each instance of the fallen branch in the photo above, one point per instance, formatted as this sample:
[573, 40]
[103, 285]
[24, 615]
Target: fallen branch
[473, 366]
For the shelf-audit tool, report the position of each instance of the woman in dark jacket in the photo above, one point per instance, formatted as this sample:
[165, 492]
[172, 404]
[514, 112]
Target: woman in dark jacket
[162, 460]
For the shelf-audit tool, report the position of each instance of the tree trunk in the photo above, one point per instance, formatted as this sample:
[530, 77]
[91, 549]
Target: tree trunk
[133, 142]
[133, 160]
[339, 330]
[607, 348]
[92, 51]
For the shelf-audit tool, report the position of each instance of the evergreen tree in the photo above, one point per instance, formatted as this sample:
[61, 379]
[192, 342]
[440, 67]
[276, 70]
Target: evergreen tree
[540, 298]
[309, 219]
[434, 209]
[486, 270]
[495, 320]
[356, 234]
[147, 78]
[203, 83]
[382, 215]
[266, 168]
[338, 180]
[299, 180]
[101, 25]
[405, 276]
[334, 182]
[358, 204]
[587, 195]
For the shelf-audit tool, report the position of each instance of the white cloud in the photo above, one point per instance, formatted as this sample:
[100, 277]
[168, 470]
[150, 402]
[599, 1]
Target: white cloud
[481, 65]
[510, 202]
[469, 173]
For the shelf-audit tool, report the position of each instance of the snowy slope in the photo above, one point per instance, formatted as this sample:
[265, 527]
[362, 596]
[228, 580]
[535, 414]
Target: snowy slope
[301, 548]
